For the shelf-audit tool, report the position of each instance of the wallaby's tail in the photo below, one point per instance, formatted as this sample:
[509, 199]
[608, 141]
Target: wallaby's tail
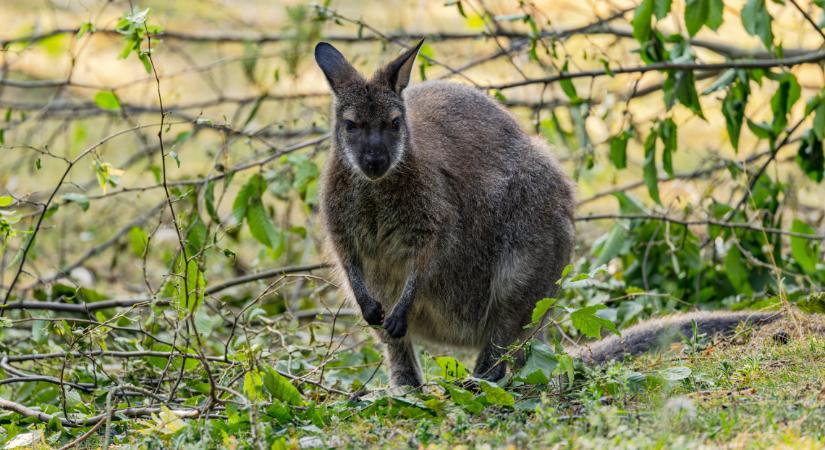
[659, 333]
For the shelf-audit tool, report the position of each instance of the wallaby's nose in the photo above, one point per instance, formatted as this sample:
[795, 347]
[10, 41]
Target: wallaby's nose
[375, 164]
[375, 139]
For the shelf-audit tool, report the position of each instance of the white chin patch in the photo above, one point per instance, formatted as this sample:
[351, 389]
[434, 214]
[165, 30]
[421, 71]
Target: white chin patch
[350, 157]
[399, 153]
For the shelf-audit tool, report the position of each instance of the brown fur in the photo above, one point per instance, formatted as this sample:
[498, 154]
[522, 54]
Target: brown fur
[449, 222]
[459, 239]
[763, 328]
[661, 332]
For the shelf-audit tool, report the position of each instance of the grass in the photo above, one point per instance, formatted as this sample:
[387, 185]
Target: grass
[735, 396]
[752, 391]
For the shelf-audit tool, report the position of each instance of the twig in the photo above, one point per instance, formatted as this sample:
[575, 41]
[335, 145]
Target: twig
[811, 57]
[9, 405]
[706, 222]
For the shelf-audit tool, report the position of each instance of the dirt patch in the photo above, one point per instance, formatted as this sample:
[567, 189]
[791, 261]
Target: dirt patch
[794, 325]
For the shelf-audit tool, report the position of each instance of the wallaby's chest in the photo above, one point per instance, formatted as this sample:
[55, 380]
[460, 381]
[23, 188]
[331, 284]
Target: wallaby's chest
[388, 226]
[383, 231]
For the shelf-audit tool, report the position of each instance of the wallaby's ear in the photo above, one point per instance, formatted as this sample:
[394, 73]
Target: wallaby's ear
[335, 67]
[397, 73]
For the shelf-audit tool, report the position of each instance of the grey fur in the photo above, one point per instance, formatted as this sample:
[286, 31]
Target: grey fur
[452, 219]
[659, 333]
[462, 235]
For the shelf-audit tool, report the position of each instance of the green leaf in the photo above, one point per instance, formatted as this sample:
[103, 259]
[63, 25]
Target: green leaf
[196, 236]
[80, 199]
[661, 8]
[804, 251]
[651, 175]
[107, 100]
[723, 81]
[40, 331]
[251, 53]
[541, 308]
[668, 133]
[540, 366]
[451, 368]
[252, 383]
[569, 88]
[810, 157]
[588, 323]
[629, 204]
[715, 14]
[256, 107]
[282, 414]
[305, 172]
[612, 246]
[757, 21]
[55, 45]
[250, 192]
[85, 27]
[819, 121]
[261, 226]
[641, 21]
[677, 373]
[814, 304]
[736, 271]
[190, 294]
[762, 130]
[696, 14]
[138, 240]
[733, 108]
[280, 388]
[464, 398]
[495, 394]
[565, 367]
[618, 149]
[680, 85]
[783, 100]
[209, 201]
[6, 200]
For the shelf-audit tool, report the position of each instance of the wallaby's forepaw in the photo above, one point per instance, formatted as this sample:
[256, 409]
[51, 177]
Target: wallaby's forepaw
[396, 325]
[373, 314]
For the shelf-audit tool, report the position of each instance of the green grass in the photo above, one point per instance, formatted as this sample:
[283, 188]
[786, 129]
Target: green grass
[753, 393]
[734, 397]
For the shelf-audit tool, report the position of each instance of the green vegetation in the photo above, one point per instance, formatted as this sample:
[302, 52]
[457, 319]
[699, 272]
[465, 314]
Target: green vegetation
[162, 273]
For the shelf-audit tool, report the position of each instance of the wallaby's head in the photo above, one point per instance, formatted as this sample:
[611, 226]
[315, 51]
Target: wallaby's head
[370, 123]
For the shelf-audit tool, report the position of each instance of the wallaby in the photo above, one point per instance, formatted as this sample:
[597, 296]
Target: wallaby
[448, 221]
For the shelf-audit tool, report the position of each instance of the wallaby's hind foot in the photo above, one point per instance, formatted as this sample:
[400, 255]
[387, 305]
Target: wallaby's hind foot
[404, 368]
[492, 361]
[490, 364]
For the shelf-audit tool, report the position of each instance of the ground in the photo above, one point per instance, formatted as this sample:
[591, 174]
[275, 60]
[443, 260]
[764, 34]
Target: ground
[756, 393]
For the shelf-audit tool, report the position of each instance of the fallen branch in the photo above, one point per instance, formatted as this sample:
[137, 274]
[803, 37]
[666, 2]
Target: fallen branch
[8, 405]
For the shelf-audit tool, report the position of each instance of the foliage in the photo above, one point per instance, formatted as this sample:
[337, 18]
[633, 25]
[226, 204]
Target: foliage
[187, 299]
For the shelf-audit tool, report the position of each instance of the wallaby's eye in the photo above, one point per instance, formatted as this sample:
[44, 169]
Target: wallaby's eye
[396, 123]
[350, 125]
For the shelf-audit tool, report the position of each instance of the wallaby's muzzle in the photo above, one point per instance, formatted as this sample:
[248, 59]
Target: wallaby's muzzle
[374, 164]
